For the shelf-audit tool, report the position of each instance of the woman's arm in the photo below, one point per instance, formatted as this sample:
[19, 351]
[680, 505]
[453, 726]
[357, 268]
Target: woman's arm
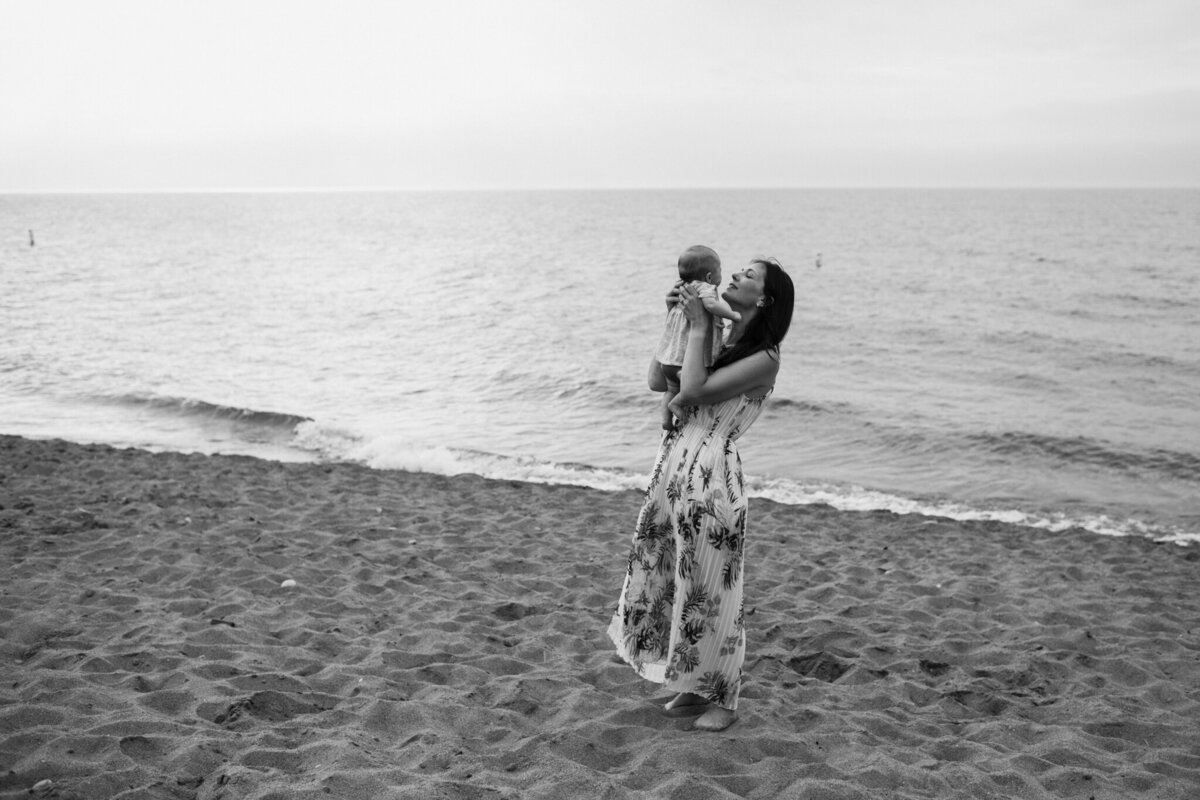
[753, 375]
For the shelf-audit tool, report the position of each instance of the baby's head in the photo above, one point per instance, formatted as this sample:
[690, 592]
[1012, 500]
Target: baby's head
[700, 263]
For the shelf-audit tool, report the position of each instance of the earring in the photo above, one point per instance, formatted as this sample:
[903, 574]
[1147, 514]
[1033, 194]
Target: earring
[760, 304]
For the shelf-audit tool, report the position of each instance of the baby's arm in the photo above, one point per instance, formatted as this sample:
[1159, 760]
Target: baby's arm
[719, 308]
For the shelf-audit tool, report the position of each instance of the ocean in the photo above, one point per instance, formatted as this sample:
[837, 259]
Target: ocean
[1024, 356]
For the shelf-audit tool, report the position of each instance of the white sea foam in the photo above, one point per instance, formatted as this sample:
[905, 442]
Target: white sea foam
[394, 452]
[857, 498]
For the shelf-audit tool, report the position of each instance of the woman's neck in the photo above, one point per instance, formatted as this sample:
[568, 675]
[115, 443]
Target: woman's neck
[736, 329]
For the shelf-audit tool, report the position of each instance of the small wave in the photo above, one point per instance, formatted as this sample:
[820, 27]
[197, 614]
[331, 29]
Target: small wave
[786, 405]
[204, 410]
[1081, 449]
[571, 384]
[1129, 361]
[1158, 303]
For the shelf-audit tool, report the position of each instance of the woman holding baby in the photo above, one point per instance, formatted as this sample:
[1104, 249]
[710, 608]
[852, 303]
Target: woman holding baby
[680, 619]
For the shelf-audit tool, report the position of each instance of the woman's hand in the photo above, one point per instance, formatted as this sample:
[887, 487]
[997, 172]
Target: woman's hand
[673, 295]
[693, 308]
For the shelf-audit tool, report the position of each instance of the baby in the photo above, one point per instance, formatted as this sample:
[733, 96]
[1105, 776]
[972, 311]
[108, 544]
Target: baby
[699, 268]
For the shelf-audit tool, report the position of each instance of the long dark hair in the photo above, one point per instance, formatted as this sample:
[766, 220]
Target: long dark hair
[771, 323]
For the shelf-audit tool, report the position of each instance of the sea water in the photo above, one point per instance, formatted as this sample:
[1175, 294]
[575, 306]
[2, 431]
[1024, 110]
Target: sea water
[1030, 356]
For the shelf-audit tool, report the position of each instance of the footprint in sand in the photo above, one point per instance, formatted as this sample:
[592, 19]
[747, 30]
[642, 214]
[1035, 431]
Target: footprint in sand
[822, 665]
[143, 748]
[273, 706]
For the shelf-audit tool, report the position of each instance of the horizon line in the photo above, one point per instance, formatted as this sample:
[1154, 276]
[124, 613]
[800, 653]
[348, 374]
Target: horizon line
[549, 189]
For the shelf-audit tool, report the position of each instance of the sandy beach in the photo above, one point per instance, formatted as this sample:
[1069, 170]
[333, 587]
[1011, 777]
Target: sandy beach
[444, 638]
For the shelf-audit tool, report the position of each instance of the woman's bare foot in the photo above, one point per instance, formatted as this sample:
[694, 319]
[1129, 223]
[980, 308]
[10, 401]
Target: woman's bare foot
[715, 719]
[685, 704]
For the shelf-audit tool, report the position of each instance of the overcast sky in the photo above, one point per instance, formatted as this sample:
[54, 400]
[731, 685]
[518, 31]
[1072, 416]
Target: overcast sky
[266, 94]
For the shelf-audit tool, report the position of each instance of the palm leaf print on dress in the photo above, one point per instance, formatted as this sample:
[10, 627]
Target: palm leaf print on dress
[715, 686]
[683, 622]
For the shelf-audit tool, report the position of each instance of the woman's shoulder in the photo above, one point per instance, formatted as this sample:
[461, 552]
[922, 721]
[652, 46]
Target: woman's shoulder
[760, 363]
[766, 364]
[766, 354]
[763, 370]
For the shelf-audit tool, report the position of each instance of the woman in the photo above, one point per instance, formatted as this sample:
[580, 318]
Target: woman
[679, 621]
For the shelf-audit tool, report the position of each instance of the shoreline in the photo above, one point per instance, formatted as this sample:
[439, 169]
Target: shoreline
[787, 491]
[445, 638]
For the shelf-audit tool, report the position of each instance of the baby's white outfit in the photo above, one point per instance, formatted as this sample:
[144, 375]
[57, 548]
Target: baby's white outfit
[674, 339]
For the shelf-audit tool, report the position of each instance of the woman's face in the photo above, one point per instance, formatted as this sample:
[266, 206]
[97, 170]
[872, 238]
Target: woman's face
[745, 286]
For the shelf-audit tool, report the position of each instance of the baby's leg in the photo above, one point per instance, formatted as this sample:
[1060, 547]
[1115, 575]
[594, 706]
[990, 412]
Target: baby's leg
[668, 406]
[668, 414]
[656, 379]
[671, 376]
[674, 410]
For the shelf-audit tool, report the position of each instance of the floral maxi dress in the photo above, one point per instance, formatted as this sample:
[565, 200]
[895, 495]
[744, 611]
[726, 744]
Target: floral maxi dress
[679, 620]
